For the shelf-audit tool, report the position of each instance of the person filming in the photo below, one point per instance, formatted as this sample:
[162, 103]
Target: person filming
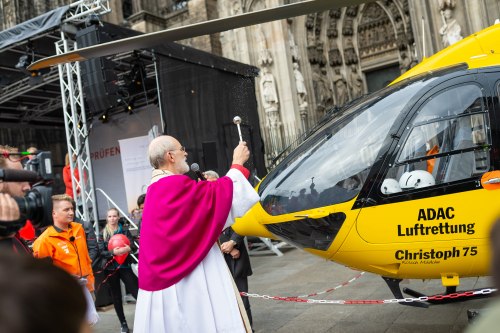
[11, 223]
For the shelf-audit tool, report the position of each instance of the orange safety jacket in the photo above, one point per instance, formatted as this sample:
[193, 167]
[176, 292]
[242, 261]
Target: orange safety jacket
[68, 250]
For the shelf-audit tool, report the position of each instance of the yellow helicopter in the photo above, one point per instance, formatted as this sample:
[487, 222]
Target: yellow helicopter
[402, 183]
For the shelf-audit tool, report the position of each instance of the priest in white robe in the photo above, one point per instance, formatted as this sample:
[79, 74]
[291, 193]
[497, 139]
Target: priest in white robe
[184, 283]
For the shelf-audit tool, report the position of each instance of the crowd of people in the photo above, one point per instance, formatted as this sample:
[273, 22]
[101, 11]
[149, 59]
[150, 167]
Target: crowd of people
[184, 284]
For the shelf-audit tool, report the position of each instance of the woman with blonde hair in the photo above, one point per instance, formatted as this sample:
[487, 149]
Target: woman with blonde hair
[113, 271]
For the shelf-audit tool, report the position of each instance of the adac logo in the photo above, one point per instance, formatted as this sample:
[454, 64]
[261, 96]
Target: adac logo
[445, 227]
[430, 214]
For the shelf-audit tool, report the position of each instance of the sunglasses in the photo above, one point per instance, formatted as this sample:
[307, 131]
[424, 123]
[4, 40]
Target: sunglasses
[16, 157]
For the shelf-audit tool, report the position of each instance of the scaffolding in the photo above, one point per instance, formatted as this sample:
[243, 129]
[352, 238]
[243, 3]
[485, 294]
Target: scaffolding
[75, 120]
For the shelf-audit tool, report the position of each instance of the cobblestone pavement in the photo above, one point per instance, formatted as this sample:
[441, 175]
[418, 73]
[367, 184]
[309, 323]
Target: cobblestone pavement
[299, 273]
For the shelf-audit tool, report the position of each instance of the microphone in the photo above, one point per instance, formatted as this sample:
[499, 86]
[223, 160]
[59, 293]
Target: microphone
[13, 175]
[72, 239]
[196, 169]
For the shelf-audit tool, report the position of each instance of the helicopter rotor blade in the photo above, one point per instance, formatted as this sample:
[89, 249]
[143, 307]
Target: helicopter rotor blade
[197, 29]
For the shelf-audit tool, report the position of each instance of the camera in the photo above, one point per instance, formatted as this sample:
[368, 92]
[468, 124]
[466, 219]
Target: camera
[42, 165]
[36, 205]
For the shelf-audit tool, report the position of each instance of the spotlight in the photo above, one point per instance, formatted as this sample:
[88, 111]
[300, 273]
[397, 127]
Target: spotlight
[23, 63]
[92, 19]
[130, 107]
[134, 79]
[35, 78]
[26, 59]
[104, 117]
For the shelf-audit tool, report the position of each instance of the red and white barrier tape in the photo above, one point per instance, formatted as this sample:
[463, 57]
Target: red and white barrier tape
[332, 289]
[485, 291]
[304, 299]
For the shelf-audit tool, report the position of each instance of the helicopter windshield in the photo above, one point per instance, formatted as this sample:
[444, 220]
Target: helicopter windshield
[332, 165]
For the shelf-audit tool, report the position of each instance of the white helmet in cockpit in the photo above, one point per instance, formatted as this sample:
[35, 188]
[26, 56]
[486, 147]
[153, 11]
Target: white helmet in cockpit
[416, 179]
[390, 186]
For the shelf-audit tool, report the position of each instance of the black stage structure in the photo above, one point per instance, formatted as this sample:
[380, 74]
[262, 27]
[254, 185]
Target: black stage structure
[199, 93]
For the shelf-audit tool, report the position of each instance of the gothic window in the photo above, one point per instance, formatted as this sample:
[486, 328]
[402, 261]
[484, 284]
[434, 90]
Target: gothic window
[376, 32]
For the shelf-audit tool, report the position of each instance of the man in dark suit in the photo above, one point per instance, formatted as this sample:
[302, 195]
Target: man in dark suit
[236, 255]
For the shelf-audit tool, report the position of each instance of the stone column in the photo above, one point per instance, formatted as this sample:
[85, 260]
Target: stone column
[235, 43]
[477, 15]
[425, 37]
[274, 123]
[283, 70]
[9, 13]
[116, 15]
[198, 13]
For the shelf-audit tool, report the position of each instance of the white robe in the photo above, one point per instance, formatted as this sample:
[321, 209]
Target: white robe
[203, 301]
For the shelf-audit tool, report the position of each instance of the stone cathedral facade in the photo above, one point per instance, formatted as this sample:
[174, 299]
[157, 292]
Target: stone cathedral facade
[307, 64]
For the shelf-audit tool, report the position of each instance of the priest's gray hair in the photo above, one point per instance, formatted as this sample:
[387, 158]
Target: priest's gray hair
[157, 149]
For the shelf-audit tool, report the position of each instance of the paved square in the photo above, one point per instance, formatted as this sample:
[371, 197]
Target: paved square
[299, 273]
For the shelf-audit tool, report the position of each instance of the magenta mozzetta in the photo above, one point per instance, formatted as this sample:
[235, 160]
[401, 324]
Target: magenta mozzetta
[204, 206]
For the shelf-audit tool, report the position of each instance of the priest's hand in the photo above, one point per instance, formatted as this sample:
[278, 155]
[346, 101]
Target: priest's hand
[241, 153]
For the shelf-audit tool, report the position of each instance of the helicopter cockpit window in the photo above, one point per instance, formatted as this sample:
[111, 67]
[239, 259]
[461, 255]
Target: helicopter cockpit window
[332, 165]
[448, 141]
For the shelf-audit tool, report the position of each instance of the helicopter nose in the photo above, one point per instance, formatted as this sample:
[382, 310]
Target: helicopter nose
[316, 230]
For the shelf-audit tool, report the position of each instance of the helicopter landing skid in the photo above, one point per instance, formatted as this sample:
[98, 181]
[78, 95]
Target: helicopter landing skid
[393, 284]
[449, 290]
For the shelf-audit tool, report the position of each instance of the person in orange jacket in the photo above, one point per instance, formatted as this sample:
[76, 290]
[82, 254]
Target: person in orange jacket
[65, 243]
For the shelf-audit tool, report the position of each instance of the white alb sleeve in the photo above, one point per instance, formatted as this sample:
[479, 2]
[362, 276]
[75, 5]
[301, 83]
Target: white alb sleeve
[244, 196]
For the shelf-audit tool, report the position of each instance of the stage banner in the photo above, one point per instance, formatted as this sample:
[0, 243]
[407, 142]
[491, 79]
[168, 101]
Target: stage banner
[110, 174]
[136, 168]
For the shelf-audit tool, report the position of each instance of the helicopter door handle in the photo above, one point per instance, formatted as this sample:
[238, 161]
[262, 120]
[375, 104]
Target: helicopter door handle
[492, 181]
[315, 215]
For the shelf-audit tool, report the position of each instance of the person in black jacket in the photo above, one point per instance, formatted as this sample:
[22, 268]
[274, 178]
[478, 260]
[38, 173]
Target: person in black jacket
[90, 236]
[113, 271]
[236, 256]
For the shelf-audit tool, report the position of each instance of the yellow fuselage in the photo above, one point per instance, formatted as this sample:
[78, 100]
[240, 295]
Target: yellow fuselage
[443, 235]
